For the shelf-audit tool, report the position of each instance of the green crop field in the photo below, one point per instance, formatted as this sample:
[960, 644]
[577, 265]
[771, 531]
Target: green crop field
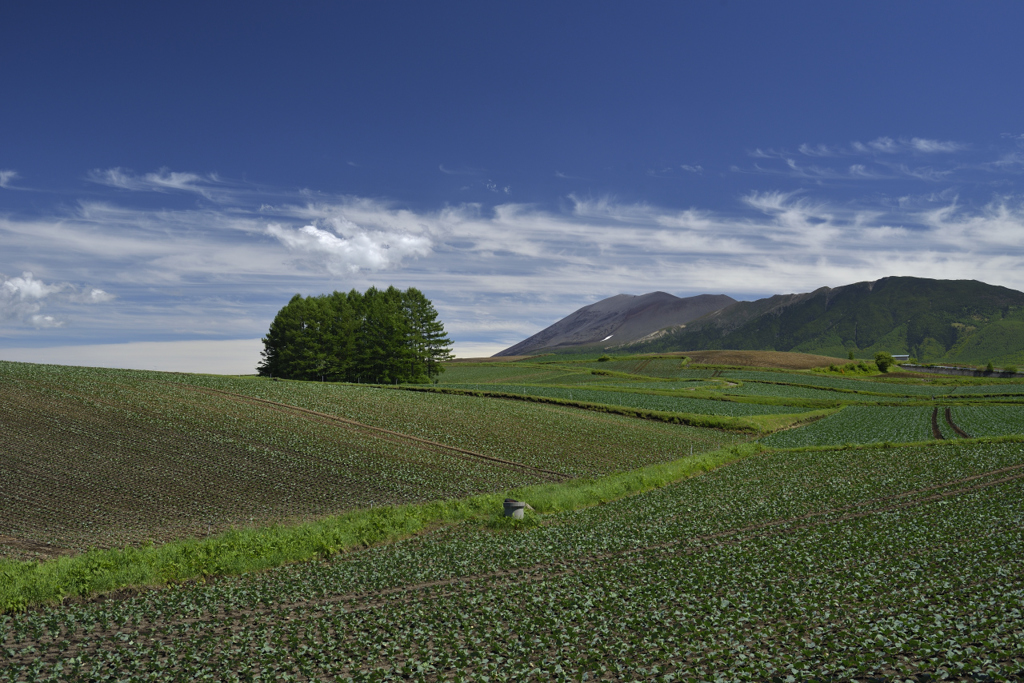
[645, 401]
[108, 457]
[891, 550]
[989, 420]
[859, 424]
[878, 564]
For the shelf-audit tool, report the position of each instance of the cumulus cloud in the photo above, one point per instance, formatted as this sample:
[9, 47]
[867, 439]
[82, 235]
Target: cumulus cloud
[692, 169]
[341, 246]
[22, 299]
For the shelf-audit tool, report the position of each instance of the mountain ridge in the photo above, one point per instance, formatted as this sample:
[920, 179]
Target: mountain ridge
[963, 321]
[623, 317]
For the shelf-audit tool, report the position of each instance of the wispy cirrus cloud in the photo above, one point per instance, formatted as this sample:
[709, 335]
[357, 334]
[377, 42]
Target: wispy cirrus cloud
[497, 273]
[6, 176]
[887, 145]
[163, 180]
[881, 159]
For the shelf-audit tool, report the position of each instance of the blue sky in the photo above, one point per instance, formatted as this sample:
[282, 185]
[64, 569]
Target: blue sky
[170, 175]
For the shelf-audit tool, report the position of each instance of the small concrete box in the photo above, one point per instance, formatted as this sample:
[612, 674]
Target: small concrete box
[514, 508]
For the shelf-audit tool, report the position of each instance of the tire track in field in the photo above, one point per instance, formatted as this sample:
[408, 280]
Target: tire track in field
[495, 580]
[949, 419]
[936, 432]
[286, 408]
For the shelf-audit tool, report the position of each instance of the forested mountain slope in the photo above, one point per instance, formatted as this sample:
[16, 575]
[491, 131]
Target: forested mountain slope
[933, 320]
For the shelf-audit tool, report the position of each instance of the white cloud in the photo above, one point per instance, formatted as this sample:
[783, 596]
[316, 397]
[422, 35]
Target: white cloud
[887, 145]
[22, 299]
[27, 288]
[477, 349]
[6, 176]
[495, 273]
[43, 321]
[160, 181]
[933, 146]
[818, 150]
[349, 248]
[692, 169]
[884, 144]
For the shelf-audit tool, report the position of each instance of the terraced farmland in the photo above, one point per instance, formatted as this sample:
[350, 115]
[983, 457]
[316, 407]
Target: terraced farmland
[883, 564]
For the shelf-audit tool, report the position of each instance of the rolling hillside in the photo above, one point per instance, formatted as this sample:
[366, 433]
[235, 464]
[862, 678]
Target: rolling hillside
[102, 458]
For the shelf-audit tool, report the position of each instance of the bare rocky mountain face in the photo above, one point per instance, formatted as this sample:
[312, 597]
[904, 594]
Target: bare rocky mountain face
[620, 319]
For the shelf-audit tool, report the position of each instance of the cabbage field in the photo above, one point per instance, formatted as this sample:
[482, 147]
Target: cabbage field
[104, 458]
[875, 535]
[879, 564]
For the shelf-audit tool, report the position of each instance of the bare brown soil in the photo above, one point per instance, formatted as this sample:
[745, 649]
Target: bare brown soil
[761, 359]
[936, 432]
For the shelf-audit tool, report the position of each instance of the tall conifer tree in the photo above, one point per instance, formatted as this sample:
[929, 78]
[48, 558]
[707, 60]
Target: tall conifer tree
[380, 336]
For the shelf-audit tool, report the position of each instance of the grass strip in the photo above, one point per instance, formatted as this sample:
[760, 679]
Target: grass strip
[25, 584]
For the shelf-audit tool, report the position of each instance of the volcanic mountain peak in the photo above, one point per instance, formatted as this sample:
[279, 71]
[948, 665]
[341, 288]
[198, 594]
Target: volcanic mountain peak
[620, 319]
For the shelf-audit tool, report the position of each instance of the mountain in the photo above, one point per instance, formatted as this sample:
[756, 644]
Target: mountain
[620, 319]
[933, 320]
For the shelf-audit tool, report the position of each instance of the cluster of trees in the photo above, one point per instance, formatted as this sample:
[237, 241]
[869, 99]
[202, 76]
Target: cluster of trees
[378, 337]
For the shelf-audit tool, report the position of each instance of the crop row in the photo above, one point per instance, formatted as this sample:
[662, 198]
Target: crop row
[994, 389]
[107, 457]
[836, 565]
[78, 475]
[641, 400]
[518, 373]
[989, 420]
[776, 390]
[827, 382]
[859, 424]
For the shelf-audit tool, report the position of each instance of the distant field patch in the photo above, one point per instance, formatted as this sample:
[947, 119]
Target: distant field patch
[640, 365]
[644, 401]
[763, 359]
[859, 424]
[985, 420]
[462, 373]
